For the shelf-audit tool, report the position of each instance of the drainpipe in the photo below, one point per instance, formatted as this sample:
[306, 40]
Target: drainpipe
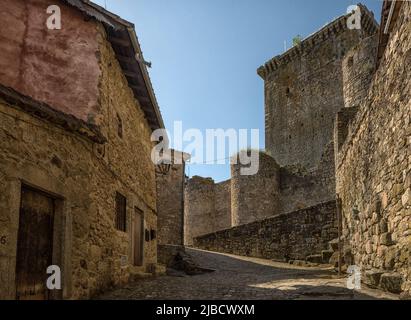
[387, 25]
[339, 221]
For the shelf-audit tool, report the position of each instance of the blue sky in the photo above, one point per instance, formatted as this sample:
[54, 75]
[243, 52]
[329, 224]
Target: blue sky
[205, 54]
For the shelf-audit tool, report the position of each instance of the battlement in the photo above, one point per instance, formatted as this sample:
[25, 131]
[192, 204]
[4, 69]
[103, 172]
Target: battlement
[338, 26]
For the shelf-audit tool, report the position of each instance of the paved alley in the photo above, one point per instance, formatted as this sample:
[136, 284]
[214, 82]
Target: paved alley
[245, 278]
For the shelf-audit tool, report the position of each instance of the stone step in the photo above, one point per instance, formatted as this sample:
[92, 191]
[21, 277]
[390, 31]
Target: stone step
[326, 255]
[333, 245]
[391, 282]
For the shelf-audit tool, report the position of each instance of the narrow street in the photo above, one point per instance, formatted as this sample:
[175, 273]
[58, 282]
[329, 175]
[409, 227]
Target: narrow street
[245, 278]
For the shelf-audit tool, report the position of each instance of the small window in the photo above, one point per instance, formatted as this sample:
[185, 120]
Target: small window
[121, 212]
[119, 126]
[287, 92]
[153, 234]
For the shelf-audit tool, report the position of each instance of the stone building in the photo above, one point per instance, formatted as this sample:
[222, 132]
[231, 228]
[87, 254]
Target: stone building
[373, 160]
[303, 93]
[370, 153]
[171, 179]
[77, 184]
[207, 207]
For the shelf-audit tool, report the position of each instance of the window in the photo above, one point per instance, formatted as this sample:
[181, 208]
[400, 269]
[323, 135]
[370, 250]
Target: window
[121, 212]
[153, 234]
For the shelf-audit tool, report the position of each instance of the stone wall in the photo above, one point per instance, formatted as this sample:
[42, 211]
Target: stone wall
[222, 205]
[272, 191]
[170, 202]
[374, 164]
[85, 175]
[38, 62]
[199, 208]
[255, 197]
[300, 188]
[289, 236]
[207, 207]
[358, 68]
[304, 91]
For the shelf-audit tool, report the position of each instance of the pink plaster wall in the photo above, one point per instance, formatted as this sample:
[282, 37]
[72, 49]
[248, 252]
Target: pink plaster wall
[59, 67]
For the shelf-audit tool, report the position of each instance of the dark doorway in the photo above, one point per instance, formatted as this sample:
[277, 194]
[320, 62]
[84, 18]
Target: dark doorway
[138, 237]
[35, 244]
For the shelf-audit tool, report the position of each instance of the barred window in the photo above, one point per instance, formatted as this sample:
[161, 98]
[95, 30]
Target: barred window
[121, 212]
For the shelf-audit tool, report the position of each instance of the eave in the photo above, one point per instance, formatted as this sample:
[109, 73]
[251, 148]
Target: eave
[123, 38]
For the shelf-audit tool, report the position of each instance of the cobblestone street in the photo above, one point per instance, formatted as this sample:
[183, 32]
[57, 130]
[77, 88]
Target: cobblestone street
[245, 278]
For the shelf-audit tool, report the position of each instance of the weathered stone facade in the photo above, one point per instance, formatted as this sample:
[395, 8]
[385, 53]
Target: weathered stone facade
[170, 200]
[374, 163]
[80, 160]
[289, 236]
[255, 197]
[358, 67]
[170, 206]
[304, 91]
[206, 207]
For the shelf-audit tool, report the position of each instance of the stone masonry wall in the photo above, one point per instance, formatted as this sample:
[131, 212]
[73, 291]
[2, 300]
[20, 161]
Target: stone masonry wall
[358, 67]
[199, 208]
[304, 91]
[94, 255]
[255, 197]
[51, 66]
[374, 168]
[302, 189]
[272, 191]
[222, 205]
[170, 203]
[289, 236]
[207, 207]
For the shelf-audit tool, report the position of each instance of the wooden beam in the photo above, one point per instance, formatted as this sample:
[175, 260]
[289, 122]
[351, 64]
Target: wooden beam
[144, 100]
[126, 59]
[120, 41]
[131, 74]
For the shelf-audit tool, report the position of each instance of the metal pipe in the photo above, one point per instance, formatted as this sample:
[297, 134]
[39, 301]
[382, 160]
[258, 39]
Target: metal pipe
[339, 221]
[387, 25]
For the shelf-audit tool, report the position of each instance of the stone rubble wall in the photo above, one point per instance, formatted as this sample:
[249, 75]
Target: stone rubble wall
[199, 208]
[223, 214]
[44, 77]
[170, 204]
[255, 197]
[245, 199]
[304, 91]
[358, 67]
[302, 189]
[93, 255]
[374, 168]
[289, 236]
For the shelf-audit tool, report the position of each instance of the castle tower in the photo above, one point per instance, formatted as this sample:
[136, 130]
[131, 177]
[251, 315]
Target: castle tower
[255, 197]
[304, 91]
[358, 68]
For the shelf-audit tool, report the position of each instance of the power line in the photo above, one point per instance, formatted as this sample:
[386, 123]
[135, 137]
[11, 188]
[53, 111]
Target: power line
[208, 162]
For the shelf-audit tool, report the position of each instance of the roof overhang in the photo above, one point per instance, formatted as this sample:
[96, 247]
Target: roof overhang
[123, 38]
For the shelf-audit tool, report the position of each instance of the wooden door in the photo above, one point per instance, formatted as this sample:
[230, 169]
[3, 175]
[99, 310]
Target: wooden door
[35, 245]
[138, 237]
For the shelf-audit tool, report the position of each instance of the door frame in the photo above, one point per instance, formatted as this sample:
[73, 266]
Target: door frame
[57, 235]
[138, 212]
